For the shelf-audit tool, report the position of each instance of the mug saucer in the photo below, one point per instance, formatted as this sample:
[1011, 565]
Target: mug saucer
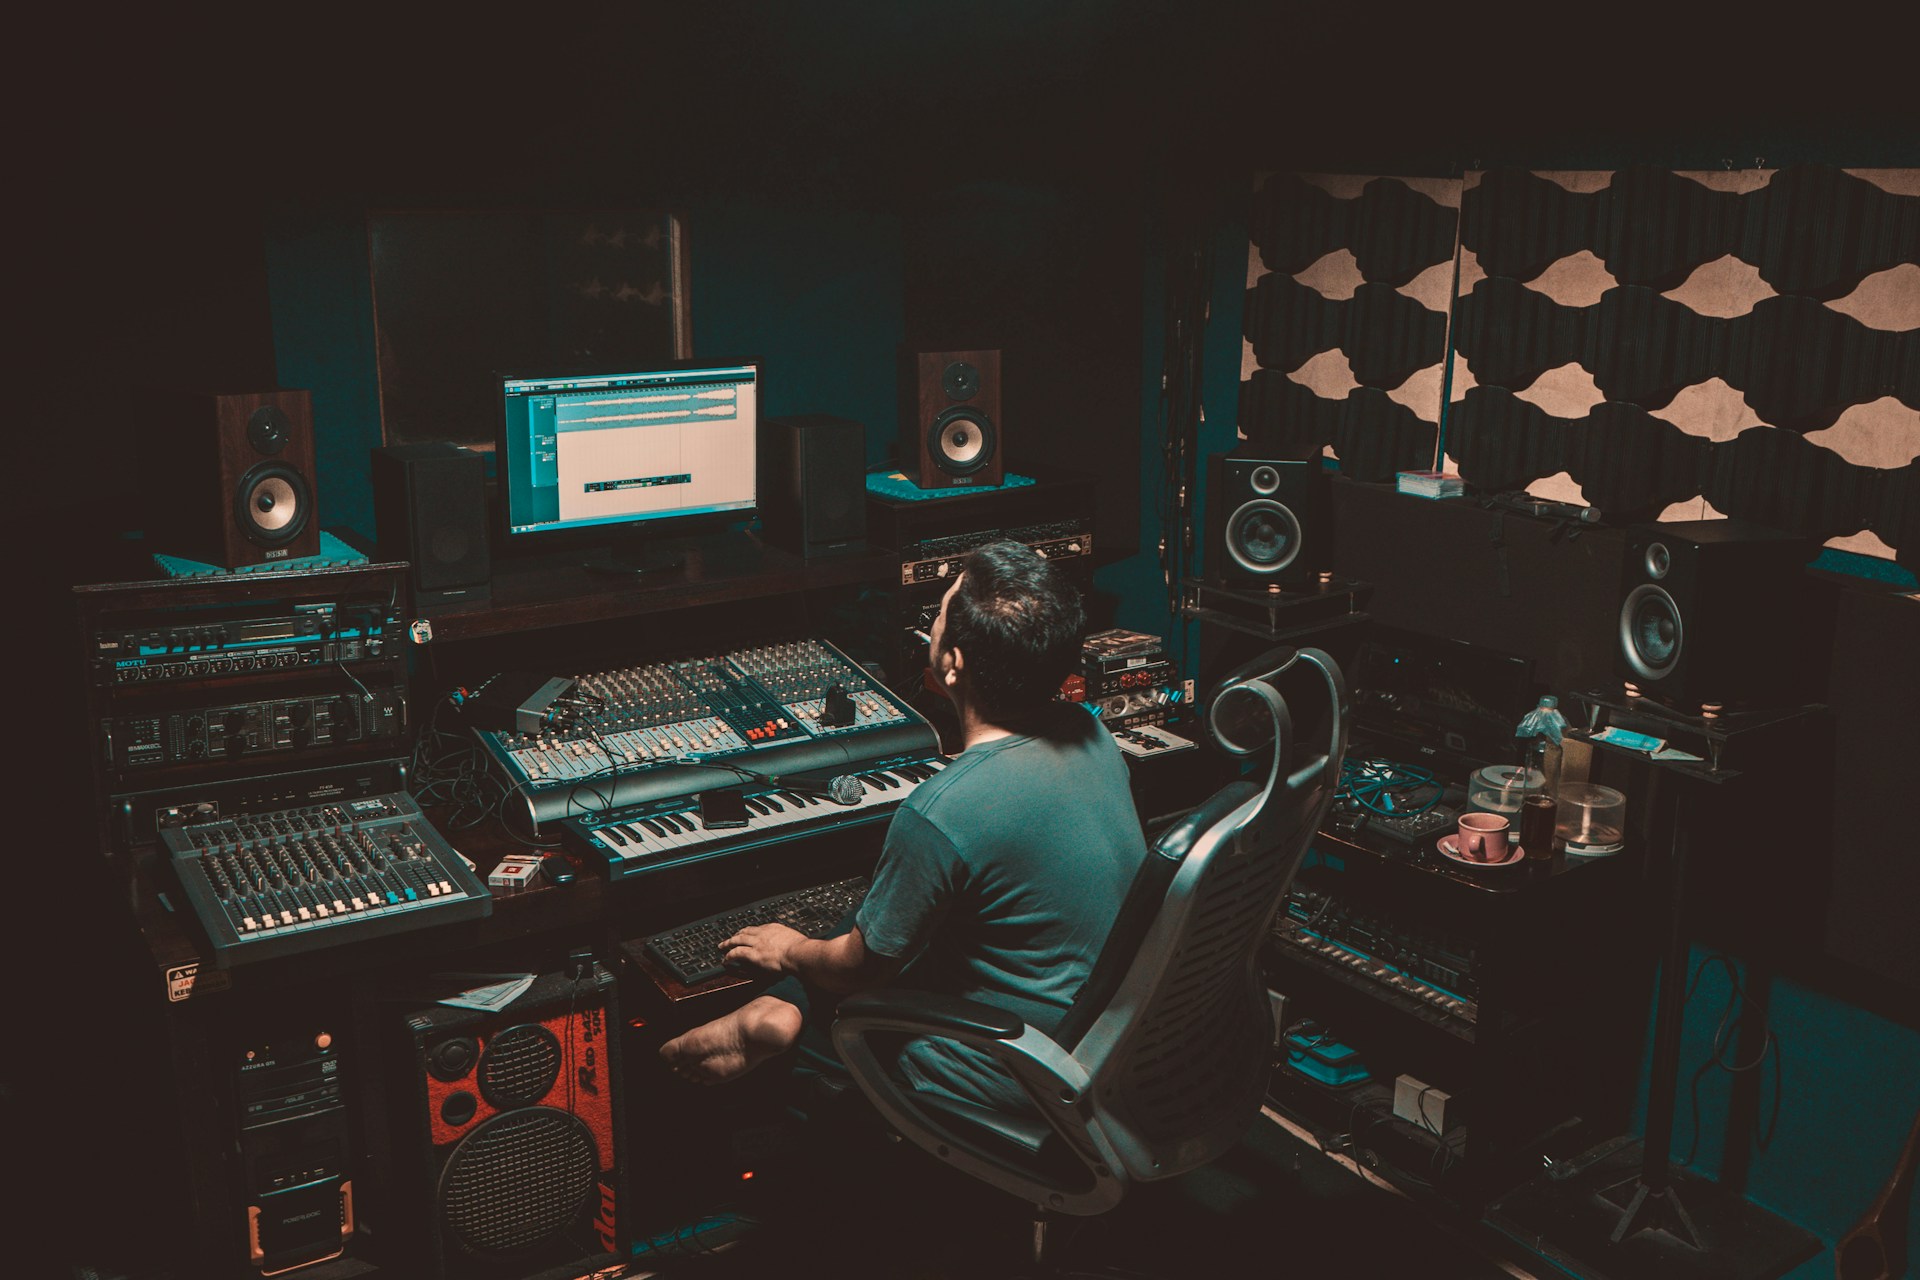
[1448, 846]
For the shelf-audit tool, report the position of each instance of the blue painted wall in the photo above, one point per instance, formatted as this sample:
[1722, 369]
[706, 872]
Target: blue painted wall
[814, 291]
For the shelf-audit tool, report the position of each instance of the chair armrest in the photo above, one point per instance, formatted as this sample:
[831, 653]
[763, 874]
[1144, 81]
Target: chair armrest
[933, 1014]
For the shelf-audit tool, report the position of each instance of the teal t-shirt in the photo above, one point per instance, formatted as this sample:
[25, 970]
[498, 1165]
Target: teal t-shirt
[999, 881]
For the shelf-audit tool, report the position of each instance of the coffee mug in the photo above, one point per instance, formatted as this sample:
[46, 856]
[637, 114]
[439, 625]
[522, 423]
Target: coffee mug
[1483, 837]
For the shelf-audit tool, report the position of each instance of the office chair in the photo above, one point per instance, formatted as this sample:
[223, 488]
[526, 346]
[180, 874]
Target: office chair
[1161, 1063]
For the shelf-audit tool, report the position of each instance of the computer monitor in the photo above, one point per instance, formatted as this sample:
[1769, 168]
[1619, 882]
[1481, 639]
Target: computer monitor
[610, 461]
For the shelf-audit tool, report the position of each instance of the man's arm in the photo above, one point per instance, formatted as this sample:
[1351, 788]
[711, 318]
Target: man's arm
[841, 965]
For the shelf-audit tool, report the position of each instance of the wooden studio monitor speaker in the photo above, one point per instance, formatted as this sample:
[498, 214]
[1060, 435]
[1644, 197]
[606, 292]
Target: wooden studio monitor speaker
[951, 435]
[228, 477]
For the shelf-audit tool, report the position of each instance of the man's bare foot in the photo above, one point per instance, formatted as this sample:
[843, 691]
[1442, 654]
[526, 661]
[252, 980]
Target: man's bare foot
[730, 1046]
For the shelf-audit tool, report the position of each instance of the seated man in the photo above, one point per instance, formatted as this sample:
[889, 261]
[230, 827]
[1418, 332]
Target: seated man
[1000, 877]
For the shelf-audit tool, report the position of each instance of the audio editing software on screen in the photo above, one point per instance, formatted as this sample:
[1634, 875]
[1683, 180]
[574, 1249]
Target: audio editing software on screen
[630, 447]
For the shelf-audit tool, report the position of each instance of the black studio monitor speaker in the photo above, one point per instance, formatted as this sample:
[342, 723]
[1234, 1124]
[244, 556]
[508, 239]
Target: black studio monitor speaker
[430, 508]
[1717, 613]
[813, 483]
[951, 435]
[1268, 521]
[229, 477]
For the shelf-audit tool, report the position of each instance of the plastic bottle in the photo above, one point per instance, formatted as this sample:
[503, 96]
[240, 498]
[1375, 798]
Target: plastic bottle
[1539, 735]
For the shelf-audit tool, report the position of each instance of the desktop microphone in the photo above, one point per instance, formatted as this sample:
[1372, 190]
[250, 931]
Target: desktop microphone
[842, 788]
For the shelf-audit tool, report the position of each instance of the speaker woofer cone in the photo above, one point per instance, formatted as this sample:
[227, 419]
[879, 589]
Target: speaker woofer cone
[273, 505]
[1651, 632]
[960, 441]
[1263, 536]
[518, 1179]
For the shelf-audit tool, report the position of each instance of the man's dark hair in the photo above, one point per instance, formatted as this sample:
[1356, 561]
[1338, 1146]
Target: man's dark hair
[1018, 621]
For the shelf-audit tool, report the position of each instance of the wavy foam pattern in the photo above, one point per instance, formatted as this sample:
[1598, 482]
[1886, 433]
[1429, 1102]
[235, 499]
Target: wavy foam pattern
[1634, 466]
[1812, 230]
[1740, 344]
[1784, 356]
[1799, 363]
[1385, 334]
[1393, 231]
[1373, 435]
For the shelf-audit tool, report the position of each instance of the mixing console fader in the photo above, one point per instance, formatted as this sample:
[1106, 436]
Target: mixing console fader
[291, 880]
[671, 729]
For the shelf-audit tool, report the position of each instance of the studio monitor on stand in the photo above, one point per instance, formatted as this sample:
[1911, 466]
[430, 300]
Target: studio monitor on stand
[430, 510]
[508, 1153]
[1268, 521]
[1716, 614]
[228, 478]
[951, 435]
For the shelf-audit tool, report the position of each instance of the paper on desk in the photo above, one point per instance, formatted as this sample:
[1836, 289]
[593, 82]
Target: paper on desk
[487, 992]
[1675, 753]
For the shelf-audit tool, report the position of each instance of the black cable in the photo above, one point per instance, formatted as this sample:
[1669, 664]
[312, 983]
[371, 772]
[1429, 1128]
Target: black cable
[1722, 1036]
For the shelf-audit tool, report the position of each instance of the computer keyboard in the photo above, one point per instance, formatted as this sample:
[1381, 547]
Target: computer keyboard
[691, 952]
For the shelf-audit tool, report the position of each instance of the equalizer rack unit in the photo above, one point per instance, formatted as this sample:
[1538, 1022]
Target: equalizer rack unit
[194, 684]
[669, 730]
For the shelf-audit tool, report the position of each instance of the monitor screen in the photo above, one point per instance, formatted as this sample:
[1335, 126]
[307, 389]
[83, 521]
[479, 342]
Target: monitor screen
[613, 456]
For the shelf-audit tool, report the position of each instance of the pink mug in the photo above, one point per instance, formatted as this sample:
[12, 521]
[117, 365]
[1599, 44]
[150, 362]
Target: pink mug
[1483, 837]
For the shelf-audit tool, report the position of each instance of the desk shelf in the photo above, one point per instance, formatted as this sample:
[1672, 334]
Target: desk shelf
[540, 592]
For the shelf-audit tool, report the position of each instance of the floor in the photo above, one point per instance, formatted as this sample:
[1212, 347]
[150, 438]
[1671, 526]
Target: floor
[1273, 1203]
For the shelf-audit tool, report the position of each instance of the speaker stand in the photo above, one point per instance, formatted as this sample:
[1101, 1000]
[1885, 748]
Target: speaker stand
[1608, 1220]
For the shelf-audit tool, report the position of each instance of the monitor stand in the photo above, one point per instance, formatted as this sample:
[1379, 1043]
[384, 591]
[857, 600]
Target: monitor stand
[635, 558]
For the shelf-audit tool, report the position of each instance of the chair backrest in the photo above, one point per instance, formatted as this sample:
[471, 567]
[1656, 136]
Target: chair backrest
[1161, 1063]
[1179, 1055]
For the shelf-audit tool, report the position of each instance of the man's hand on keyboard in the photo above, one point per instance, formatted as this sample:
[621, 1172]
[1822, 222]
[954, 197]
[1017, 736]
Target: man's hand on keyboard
[765, 947]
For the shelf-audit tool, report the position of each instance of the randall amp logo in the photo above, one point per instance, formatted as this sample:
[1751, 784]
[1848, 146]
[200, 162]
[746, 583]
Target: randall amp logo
[180, 982]
[587, 1072]
[604, 1222]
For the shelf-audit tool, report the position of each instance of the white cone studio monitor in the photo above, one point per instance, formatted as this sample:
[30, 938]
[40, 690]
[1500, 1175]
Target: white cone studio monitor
[950, 430]
[229, 478]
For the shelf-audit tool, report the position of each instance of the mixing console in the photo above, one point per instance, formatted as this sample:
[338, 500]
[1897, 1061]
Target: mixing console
[291, 880]
[655, 732]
